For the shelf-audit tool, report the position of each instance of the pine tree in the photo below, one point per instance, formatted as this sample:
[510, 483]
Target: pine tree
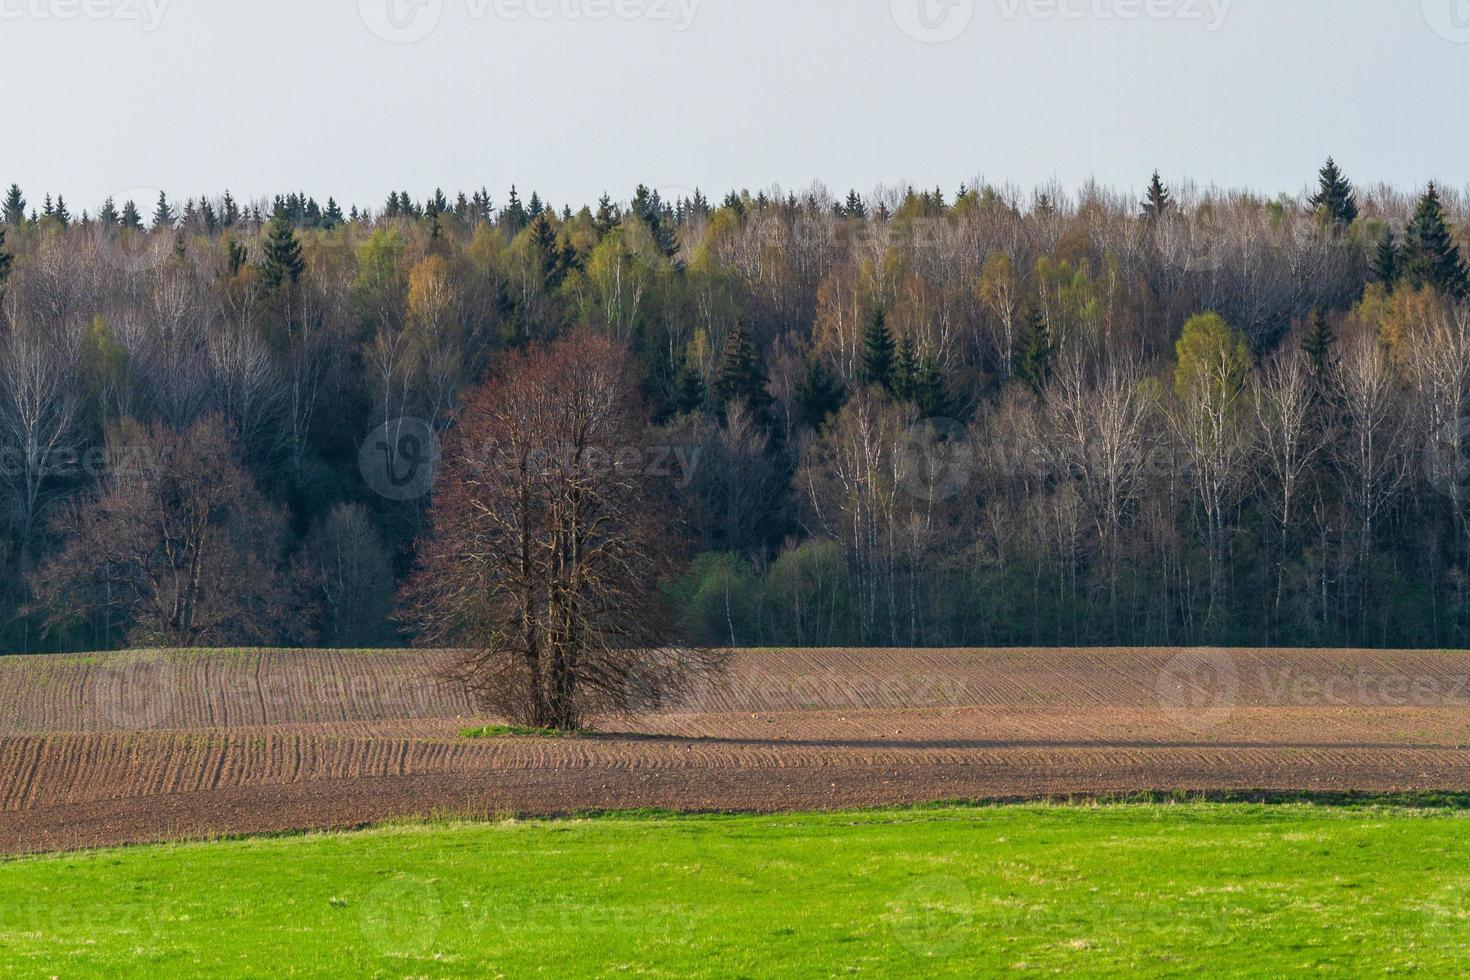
[1157, 204]
[905, 369]
[1320, 347]
[855, 207]
[131, 219]
[740, 379]
[61, 214]
[875, 362]
[207, 216]
[1385, 264]
[281, 263]
[47, 208]
[514, 216]
[1335, 198]
[1036, 356]
[15, 207]
[107, 217]
[1430, 256]
[235, 257]
[229, 211]
[818, 396]
[607, 216]
[332, 217]
[163, 214]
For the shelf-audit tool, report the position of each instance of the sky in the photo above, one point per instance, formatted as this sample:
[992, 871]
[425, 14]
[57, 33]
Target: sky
[353, 98]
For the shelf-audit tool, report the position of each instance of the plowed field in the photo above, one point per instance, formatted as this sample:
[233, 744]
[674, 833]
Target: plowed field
[123, 748]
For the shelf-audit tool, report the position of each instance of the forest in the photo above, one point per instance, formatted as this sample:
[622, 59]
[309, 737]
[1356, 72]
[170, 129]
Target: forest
[977, 417]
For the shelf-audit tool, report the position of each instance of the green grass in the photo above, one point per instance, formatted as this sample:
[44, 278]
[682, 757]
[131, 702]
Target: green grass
[1235, 890]
[512, 731]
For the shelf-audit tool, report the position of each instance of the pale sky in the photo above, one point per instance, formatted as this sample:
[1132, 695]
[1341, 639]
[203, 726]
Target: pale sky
[571, 97]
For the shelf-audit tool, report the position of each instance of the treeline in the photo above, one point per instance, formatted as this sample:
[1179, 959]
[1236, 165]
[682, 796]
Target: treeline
[907, 418]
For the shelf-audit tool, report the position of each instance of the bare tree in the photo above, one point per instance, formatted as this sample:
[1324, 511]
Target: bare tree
[547, 542]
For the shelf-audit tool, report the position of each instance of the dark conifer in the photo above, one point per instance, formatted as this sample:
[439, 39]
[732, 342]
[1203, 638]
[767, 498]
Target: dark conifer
[1430, 256]
[875, 361]
[1157, 203]
[1036, 357]
[819, 395]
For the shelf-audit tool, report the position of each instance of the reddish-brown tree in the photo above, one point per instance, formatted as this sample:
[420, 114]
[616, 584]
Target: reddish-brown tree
[547, 540]
[178, 549]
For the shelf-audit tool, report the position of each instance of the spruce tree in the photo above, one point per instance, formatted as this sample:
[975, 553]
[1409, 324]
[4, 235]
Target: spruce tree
[931, 396]
[1335, 198]
[229, 211]
[875, 361]
[818, 396]
[607, 216]
[281, 264]
[15, 207]
[1157, 203]
[1385, 263]
[163, 214]
[6, 261]
[740, 379]
[905, 369]
[1036, 357]
[1430, 256]
[690, 391]
[61, 214]
[108, 217]
[131, 219]
[333, 216]
[1320, 347]
[855, 207]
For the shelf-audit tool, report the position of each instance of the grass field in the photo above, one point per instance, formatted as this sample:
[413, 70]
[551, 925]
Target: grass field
[1238, 889]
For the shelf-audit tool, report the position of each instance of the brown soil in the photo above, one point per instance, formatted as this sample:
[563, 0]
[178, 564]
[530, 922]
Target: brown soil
[142, 747]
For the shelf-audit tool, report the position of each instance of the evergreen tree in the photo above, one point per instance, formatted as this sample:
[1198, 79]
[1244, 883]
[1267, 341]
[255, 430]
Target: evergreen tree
[818, 396]
[931, 396]
[855, 207]
[207, 216]
[1385, 264]
[875, 361]
[906, 369]
[740, 378]
[1036, 357]
[607, 216]
[1430, 256]
[514, 216]
[281, 263]
[15, 207]
[163, 214]
[333, 216]
[235, 257]
[392, 208]
[1157, 203]
[108, 217]
[47, 208]
[61, 214]
[229, 211]
[1320, 347]
[690, 391]
[1335, 198]
[6, 261]
[131, 219]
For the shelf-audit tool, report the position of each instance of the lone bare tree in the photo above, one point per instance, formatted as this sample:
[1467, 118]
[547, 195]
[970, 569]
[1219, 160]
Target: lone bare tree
[547, 541]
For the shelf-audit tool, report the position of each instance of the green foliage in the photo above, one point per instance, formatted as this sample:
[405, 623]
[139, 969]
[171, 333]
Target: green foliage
[14, 208]
[1213, 361]
[1430, 255]
[819, 395]
[1335, 199]
[1320, 346]
[1157, 203]
[876, 363]
[717, 601]
[282, 263]
[512, 731]
[1385, 262]
[1035, 363]
[741, 380]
